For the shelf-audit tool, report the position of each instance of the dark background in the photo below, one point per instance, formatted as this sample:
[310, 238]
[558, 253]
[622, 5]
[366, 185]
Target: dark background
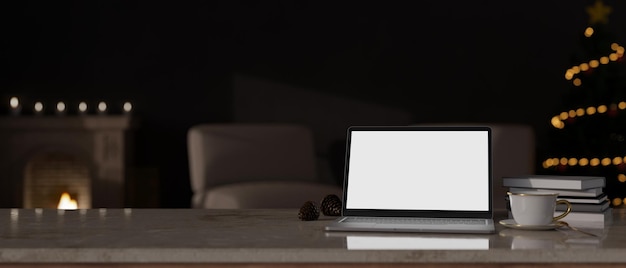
[439, 61]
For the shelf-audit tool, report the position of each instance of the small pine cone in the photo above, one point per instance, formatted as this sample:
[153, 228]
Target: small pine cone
[331, 205]
[309, 211]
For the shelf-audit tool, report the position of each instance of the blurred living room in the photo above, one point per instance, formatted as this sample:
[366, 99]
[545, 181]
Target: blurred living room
[103, 94]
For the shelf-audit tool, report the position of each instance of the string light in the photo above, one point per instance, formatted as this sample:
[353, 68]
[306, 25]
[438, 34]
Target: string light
[572, 161]
[617, 201]
[591, 110]
[15, 105]
[102, 107]
[82, 107]
[14, 102]
[589, 32]
[594, 63]
[38, 108]
[604, 60]
[61, 108]
[583, 161]
[558, 121]
[128, 107]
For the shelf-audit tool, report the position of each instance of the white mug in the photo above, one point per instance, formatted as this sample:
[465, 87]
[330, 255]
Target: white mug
[536, 208]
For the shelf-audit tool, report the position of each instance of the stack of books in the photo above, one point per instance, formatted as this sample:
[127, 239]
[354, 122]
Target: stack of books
[590, 204]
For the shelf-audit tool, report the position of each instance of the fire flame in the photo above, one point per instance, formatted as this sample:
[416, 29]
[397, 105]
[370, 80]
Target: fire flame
[67, 202]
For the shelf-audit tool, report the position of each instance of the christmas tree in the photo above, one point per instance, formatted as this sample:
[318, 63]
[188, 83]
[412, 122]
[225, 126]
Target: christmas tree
[588, 133]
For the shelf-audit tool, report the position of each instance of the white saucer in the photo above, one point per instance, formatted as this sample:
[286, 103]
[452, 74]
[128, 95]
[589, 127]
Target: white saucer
[512, 224]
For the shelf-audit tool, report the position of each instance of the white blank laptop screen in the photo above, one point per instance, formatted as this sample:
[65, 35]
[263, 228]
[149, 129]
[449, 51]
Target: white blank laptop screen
[419, 170]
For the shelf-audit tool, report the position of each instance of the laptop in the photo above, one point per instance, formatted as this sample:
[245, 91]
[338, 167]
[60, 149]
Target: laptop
[417, 179]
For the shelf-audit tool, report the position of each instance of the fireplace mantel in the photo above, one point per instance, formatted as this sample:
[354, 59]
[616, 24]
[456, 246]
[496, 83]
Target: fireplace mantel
[66, 122]
[103, 141]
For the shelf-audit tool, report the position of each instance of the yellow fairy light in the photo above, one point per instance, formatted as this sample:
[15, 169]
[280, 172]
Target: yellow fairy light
[617, 160]
[550, 163]
[557, 123]
[591, 110]
[563, 161]
[571, 113]
[594, 162]
[569, 74]
[621, 178]
[606, 161]
[617, 201]
[577, 82]
[614, 46]
[553, 161]
[588, 32]
[594, 63]
[583, 162]
[613, 56]
[572, 161]
[604, 60]
[584, 67]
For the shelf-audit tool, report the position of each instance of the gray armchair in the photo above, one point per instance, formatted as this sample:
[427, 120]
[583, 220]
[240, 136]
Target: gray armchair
[254, 166]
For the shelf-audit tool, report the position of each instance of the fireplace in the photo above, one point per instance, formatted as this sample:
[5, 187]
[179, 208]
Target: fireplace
[49, 174]
[43, 157]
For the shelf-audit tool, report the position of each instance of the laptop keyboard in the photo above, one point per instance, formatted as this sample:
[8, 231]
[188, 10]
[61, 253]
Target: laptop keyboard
[438, 221]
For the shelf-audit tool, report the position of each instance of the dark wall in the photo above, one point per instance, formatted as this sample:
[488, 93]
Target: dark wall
[453, 61]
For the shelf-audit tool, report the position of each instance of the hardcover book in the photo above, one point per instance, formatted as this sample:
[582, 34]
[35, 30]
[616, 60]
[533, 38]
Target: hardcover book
[581, 207]
[592, 192]
[554, 182]
[580, 200]
[586, 200]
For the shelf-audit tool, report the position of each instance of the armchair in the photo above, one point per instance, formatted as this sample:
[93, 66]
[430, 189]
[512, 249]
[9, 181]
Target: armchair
[239, 165]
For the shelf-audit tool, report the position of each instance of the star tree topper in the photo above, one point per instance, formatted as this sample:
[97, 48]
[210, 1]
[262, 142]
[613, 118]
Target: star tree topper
[598, 13]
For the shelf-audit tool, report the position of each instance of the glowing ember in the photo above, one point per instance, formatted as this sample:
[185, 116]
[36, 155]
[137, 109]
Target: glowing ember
[67, 202]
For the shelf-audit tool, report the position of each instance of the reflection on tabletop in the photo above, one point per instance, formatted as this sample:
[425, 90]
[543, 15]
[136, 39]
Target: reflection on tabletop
[553, 239]
[383, 241]
[516, 239]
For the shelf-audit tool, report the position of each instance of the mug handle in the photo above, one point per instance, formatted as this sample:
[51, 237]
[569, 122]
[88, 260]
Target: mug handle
[567, 211]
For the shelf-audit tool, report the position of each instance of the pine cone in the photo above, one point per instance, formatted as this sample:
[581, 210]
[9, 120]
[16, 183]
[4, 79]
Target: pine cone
[309, 211]
[331, 205]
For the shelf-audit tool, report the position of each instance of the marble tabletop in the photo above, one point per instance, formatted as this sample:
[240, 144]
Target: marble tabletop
[276, 236]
